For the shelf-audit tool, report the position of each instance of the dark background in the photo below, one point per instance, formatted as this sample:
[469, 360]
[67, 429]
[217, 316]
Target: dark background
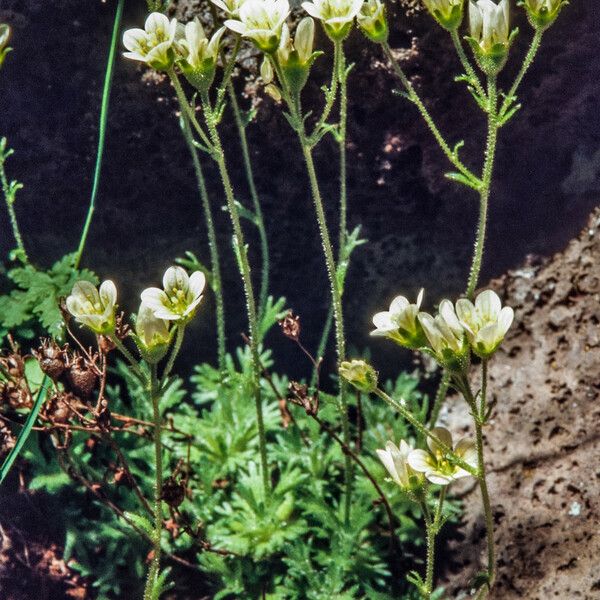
[419, 226]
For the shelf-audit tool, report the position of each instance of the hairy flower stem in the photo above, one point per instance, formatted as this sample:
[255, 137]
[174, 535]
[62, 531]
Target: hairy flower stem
[9, 197]
[245, 272]
[260, 221]
[466, 63]
[174, 352]
[215, 262]
[102, 129]
[412, 95]
[158, 517]
[529, 57]
[133, 363]
[465, 388]
[440, 397]
[432, 530]
[336, 299]
[486, 181]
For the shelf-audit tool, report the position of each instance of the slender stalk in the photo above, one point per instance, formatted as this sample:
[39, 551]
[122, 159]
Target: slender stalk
[342, 127]
[158, 516]
[414, 97]
[466, 63]
[486, 180]
[215, 262]
[322, 345]
[9, 197]
[336, 296]
[174, 352]
[135, 365]
[260, 221]
[245, 272]
[529, 57]
[102, 129]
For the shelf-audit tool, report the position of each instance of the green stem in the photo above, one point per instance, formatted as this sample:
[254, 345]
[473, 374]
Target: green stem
[414, 97]
[215, 262]
[529, 57]
[336, 297]
[158, 516]
[9, 197]
[260, 222]
[440, 397]
[322, 344]
[486, 180]
[102, 129]
[174, 352]
[407, 415]
[342, 147]
[466, 63]
[245, 272]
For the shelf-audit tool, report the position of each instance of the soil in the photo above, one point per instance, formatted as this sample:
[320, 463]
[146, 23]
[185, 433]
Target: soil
[543, 440]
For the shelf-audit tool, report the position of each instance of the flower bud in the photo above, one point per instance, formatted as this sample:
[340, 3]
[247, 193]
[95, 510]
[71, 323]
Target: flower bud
[200, 55]
[152, 335]
[4, 37]
[373, 22]
[542, 13]
[490, 37]
[335, 15]
[448, 13]
[266, 70]
[360, 374]
[296, 58]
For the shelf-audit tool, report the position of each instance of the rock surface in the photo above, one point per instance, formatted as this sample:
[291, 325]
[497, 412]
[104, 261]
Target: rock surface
[543, 441]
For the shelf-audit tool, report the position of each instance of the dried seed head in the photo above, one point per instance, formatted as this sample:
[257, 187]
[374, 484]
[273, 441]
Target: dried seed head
[15, 395]
[82, 377]
[7, 440]
[173, 492]
[14, 365]
[290, 326]
[57, 409]
[52, 358]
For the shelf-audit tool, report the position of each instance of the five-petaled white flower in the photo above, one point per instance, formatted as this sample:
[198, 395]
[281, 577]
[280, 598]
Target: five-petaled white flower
[485, 322]
[400, 323]
[336, 15]
[395, 460]
[179, 298]
[435, 465]
[94, 308]
[153, 44]
[448, 13]
[261, 21]
[372, 21]
[490, 25]
[200, 52]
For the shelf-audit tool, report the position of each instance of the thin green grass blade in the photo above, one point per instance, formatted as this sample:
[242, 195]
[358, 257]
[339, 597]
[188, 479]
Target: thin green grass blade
[24, 435]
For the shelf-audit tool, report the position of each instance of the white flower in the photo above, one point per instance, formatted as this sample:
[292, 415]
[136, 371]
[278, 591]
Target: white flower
[261, 21]
[394, 459]
[485, 322]
[434, 464]
[94, 308]
[153, 44]
[179, 298]
[303, 43]
[360, 374]
[336, 15]
[490, 25]
[4, 37]
[200, 52]
[448, 13]
[231, 7]
[150, 330]
[400, 322]
[372, 20]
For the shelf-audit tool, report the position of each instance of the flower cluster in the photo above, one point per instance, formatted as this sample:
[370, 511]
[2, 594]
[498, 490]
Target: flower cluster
[175, 304]
[449, 334]
[408, 466]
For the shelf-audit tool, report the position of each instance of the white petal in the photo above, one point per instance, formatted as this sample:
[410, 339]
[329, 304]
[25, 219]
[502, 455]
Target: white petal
[467, 451]
[507, 314]
[156, 21]
[236, 26]
[420, 297]
[312, 10]
[176, 277]
[447, 313]
[399, 305]
[108, 293]
[438, 478]
[388, 463]
[134, 39]
[419, 460]
[488, 305]
[155, 298]
[197, 282]
[443, 435]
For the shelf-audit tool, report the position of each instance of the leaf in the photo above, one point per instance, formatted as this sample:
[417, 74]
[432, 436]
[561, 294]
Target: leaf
[140, 522]
[10, 459]
[464, 179]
